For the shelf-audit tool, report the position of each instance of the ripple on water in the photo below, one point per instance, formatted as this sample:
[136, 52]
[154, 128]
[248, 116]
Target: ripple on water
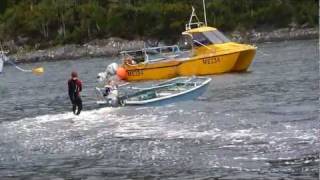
[257, 125]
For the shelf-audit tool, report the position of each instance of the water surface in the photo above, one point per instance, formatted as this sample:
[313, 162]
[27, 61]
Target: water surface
[257, 125]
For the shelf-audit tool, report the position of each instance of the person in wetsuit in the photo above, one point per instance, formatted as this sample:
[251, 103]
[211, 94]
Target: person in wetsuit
[75, 87]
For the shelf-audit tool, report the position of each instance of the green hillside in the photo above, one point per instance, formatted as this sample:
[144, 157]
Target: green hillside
[78, 21]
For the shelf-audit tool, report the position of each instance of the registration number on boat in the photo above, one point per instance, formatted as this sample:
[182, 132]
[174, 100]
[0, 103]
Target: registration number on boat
[137, 72]
[212, 60]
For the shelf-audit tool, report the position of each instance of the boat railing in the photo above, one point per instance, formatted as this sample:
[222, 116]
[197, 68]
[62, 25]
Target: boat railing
[152, 53]
[162, 52]
[194, 25]
[174, 48]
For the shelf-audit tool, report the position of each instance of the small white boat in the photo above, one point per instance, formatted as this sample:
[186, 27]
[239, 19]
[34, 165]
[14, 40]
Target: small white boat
[180, 88]
[3, 58]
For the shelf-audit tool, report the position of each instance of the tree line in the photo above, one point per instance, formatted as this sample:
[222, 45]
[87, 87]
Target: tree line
[78, 21]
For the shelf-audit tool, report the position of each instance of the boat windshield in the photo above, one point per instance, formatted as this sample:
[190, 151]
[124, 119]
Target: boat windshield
[209, 37]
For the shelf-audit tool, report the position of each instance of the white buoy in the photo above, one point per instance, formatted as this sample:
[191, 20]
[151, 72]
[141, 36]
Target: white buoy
[3, 58]
[1, 65]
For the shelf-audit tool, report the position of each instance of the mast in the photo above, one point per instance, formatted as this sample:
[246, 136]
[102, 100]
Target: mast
[204, 12]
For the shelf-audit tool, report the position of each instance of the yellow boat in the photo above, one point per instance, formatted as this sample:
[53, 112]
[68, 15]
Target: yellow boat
[206, 51]
[214, 53]
[164, 69]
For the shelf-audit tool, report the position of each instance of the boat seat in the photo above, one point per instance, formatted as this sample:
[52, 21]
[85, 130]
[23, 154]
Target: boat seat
[148, 95]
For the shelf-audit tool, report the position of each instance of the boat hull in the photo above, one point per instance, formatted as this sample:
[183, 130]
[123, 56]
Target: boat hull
[213, 59]
[208, 65]
[152, 71]
[184, 96]
[244, 60]
[198, 65]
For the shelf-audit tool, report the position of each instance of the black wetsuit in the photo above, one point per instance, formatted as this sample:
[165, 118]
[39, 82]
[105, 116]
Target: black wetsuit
[75, 87]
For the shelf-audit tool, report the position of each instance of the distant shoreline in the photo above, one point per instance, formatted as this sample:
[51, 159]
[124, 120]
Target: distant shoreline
[112, 46]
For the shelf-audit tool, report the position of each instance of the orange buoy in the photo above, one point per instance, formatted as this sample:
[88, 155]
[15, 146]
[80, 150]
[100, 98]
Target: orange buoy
[122, 73]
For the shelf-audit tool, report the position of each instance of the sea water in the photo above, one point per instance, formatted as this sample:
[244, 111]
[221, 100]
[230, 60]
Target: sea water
[262, 124]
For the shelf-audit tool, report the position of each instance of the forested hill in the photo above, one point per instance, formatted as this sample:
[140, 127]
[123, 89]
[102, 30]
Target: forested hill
[78, 21]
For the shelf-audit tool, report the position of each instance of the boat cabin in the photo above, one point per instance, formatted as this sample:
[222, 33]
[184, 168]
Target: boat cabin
[204, 36]
[201, 34]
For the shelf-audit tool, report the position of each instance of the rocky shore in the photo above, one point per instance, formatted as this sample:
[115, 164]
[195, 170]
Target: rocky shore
[276, 35]
[97, 48]
[112, 46]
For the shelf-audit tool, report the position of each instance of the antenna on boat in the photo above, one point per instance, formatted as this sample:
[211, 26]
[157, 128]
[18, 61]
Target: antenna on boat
[193, 14]
[204, 12]
[190, 24]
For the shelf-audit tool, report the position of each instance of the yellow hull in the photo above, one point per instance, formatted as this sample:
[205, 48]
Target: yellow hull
[152, 71]
[208, 64]
[199, 65]
[244, 61]
[213, 59]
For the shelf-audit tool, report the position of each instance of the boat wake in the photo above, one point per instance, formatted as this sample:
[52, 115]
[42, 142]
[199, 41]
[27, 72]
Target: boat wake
[151, 134]
[146, 123]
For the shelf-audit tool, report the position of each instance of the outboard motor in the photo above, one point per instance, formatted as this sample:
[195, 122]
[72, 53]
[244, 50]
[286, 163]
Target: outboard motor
[112, 69]
[101, 77]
